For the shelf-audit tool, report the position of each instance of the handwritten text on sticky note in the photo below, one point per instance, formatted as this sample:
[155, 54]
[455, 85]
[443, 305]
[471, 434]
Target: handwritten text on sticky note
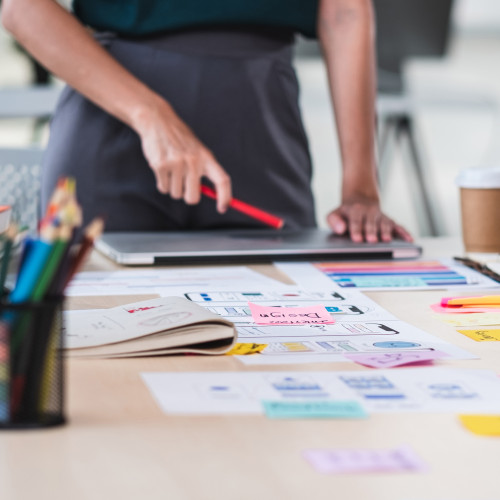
[268, 315]
[344, 461]
[392, 359]
[482, 335]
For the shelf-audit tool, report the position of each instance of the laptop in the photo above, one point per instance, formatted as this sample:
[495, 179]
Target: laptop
[244, 246]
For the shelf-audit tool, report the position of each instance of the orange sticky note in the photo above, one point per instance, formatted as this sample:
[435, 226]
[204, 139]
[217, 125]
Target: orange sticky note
[311, 315]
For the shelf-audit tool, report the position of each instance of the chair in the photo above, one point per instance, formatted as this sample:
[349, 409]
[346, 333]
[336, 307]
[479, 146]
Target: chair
[20, 184]
[20, 167]
[32, 101]
[407, 29]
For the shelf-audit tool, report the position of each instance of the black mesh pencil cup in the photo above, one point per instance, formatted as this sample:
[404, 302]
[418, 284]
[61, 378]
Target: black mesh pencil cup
[31, 364]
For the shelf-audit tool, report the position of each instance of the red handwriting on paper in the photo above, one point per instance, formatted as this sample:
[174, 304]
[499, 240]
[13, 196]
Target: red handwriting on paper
[141, 309]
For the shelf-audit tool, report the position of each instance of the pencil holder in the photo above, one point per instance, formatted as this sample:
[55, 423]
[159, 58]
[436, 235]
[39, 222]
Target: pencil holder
[31, 364]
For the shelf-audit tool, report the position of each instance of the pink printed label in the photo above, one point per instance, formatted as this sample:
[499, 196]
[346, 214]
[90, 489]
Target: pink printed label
[268, 315]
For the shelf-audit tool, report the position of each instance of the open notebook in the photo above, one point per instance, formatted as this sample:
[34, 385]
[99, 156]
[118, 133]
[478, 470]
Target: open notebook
[166, 325]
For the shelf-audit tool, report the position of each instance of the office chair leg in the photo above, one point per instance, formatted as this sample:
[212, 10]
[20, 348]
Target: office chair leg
[386, 144]
[425, 193]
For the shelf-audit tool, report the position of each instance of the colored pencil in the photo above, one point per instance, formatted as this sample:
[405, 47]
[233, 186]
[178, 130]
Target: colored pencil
[91, 233]
[30, 330]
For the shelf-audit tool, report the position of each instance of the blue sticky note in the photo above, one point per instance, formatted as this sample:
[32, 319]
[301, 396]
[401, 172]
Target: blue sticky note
[313, 409]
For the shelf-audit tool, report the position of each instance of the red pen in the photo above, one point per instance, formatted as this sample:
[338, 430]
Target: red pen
[245, 208]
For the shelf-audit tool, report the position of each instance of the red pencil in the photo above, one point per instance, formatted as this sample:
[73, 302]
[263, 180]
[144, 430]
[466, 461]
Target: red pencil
[245, 208]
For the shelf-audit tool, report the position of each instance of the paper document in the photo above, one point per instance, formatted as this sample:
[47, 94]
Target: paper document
[165, 281]
[361, 326]
[405, 390]
[387, 275]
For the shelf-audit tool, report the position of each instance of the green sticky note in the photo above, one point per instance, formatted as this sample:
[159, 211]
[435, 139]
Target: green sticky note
[382, 281]
[313, 409]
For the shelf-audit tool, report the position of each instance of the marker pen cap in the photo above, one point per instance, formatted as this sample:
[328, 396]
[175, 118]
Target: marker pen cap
[480, 207]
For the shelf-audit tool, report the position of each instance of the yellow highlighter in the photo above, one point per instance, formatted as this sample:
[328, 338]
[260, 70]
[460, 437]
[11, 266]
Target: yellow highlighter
[485, 300]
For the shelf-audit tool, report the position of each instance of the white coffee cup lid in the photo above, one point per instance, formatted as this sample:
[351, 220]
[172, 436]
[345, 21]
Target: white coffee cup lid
[479, 178]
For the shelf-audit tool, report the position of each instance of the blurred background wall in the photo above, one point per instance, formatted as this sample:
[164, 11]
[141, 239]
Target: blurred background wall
[453, 100]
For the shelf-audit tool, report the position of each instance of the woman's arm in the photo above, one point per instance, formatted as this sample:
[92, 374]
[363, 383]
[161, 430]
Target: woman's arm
[346, 33]
[60, 42]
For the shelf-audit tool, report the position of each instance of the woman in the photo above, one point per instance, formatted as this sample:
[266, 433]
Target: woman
[172, 91]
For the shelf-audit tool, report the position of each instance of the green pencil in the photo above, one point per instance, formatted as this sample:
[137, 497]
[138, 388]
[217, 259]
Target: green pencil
[60, 239]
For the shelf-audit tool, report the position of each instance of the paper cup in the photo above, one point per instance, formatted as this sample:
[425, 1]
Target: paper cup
[480, 206]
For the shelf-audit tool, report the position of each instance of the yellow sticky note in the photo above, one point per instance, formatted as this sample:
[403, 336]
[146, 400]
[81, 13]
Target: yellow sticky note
[484, 425]
[482, 335]
[473, 319]
[296, 347]
[242, 349]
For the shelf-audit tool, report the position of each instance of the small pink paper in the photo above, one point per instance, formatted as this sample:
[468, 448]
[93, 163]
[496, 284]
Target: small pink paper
[402, 459]
[268, 315]
[392, 359]
[462, 310]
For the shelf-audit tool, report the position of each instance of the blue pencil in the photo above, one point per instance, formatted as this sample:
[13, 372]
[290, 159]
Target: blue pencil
[30, 272]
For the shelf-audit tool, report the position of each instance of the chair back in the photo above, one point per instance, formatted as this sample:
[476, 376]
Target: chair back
[405, 29]
[20, 184]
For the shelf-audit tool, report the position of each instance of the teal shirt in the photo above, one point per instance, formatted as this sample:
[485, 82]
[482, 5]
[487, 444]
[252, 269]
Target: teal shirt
[147, 17]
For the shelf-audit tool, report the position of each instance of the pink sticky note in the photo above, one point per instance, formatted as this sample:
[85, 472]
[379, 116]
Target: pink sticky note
[392, 359]
[402, 459]
[462, 310]
[269, 315]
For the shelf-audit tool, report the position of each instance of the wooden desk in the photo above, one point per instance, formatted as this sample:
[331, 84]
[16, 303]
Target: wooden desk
[119, 445]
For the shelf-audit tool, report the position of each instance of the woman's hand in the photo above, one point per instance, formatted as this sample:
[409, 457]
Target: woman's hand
[178, 159]
[363, 220]
[63, 45]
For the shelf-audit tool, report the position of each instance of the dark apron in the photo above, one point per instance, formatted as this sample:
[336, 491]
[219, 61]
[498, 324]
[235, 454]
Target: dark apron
[238, 92]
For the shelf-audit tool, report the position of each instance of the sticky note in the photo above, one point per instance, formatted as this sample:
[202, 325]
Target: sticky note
[478, 319]
[313, 409]
[268, 315]
[438, 308]
[484, 425]
[345, 461]
[295, 347]
[246, 348]
[390, 360]
[482, 335]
